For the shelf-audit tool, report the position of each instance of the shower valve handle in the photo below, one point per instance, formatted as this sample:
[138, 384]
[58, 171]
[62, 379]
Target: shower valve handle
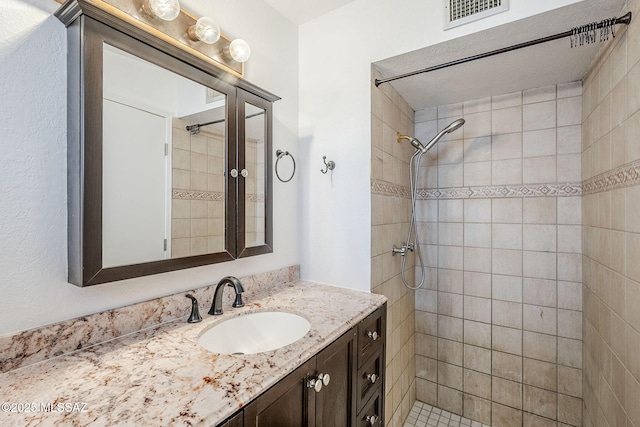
[403, 250]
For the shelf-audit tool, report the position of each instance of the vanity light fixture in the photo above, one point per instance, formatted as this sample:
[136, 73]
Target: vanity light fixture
[239, 50]
[205, 29]
[167, 10]
[165, 21]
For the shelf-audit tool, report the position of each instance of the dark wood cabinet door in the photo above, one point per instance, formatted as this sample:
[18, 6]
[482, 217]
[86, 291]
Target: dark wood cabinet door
[286, 404]
[335, 403]
[235, 421]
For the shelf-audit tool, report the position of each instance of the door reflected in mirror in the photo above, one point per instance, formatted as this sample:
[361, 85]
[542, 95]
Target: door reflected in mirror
[164, 139]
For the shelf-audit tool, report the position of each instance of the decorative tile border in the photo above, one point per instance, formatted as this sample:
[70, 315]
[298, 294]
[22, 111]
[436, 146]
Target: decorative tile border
[385, 188]
[502, 191]
[622, 176]
[197, 195]
[480, 192]
[255, 197]
[209, 196]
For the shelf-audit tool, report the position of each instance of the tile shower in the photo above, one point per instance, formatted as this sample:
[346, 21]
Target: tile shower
[528, 217]
[498, 326]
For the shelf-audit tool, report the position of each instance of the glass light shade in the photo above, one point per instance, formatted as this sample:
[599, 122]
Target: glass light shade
[206, 30]
[239, 50]
[167, 10]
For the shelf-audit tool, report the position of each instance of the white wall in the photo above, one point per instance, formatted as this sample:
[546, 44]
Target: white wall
[33, 213]
[336, 52]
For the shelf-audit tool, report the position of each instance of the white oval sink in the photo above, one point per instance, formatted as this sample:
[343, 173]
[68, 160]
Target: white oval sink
[255, 333]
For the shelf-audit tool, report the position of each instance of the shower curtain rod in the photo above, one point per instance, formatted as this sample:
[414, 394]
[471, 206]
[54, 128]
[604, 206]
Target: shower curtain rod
[196, 127]
[626, 19]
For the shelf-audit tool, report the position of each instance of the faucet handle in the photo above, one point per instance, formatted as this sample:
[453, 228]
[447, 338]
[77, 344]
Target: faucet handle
[194, 317]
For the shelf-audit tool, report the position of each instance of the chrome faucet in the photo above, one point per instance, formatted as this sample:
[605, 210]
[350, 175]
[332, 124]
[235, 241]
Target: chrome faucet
[216, 307]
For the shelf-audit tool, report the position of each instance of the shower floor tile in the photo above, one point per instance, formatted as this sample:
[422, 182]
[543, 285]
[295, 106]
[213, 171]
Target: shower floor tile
[423, 415]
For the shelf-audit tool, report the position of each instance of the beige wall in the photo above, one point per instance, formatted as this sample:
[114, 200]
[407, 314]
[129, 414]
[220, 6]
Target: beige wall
[390, 210]
[498, 329]
[611, 227]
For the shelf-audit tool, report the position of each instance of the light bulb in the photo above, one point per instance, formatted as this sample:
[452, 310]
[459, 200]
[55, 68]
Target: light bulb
[240, 50]
[206, 30]
[167, 10]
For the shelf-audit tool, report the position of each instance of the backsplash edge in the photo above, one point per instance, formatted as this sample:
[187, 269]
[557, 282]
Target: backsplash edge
[35, 345]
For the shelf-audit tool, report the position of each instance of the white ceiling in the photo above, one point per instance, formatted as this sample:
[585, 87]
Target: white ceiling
[301, 11]
[530, 67]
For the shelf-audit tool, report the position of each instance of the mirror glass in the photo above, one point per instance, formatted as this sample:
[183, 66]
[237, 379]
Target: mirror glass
[255, 186]
[164, 156]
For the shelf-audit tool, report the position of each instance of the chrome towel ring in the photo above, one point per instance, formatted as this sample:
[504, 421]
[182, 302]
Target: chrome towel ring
[280, 154]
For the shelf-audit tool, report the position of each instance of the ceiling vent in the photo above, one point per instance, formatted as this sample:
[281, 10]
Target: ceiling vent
[460, 12]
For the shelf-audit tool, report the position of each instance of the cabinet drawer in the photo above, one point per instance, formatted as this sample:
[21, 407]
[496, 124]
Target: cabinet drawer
[370, 335]
[371, 415]
[369, 379]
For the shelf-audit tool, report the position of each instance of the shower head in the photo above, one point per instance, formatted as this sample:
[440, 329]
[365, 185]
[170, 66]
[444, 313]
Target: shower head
[419, 146]
[450, 128]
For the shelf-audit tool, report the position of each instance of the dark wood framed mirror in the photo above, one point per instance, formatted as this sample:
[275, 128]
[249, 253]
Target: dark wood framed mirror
[154, 142]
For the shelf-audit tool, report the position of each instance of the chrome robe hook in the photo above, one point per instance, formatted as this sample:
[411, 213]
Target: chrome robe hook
[329, 166]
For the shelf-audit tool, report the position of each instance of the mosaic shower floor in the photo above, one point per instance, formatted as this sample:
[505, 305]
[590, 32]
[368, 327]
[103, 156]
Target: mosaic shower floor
[423, 415]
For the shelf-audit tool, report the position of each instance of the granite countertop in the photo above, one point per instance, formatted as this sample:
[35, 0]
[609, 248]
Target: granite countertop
[161, 376]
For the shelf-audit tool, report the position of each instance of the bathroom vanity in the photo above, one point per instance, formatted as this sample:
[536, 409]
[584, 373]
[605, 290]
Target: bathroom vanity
[160, 375]
[340, 386]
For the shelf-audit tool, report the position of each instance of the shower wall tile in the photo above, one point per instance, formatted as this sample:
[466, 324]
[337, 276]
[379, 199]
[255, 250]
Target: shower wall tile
[476, 105]
[477, 260]
[539, 94]
[508, 293]
[477, 284]
[568, 140]
[539, 291]
[477, 384]
[506, 340]
[477, 210]
[610, 149]
[451, 110]
[477, 149]
[539, 143]
[505, 172]
[507, 288]
[507, 146]
[540, 115]
[478, 173]
[539, 346]
[568, 90]
[479, 125]
[539, 169]
[569, 111]
[449, 152]
[408, 329]
[505, 121]
[477, 333]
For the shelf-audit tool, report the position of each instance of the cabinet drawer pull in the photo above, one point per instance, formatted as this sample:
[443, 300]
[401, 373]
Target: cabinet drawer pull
[373, 335]
[371, 419]
[318, 382]
[372, 378]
